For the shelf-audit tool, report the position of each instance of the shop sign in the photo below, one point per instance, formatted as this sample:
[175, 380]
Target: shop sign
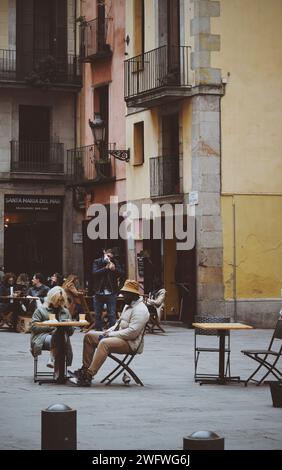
[30, 203]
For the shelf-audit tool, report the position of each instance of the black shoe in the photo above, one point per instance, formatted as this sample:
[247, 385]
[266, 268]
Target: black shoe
[84, 381]
[79, 373]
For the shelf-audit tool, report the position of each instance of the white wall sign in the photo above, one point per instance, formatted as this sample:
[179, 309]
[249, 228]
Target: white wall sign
[193, 198]
[77, 237]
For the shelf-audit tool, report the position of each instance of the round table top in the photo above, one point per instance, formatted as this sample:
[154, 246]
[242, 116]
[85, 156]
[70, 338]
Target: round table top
[222, 326]
[54, 323]
[19, 297]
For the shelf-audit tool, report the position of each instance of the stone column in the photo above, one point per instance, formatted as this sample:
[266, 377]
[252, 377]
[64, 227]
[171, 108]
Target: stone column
[2, 196]
[67, 233]
[206, 177]
[206, 180]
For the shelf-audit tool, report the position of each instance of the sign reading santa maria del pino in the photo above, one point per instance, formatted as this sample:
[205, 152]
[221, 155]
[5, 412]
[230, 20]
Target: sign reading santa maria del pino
[26, 203]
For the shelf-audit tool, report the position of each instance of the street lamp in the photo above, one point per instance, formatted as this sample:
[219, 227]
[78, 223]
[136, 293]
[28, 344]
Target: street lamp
[98, 128]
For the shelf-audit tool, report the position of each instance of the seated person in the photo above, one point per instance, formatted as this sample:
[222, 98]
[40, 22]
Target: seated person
[123, 338]
[75, 298]
[38, 290]
[8, 288]
[44, 337]
[156, 299]
[56, 279]
[23, 283]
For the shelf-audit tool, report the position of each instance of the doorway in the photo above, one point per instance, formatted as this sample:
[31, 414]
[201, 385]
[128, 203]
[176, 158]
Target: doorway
[34, 137]
[33, 245]
[170, 153]
[93, 249]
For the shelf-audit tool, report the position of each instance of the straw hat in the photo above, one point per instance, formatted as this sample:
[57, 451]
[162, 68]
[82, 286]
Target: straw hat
[131, 286]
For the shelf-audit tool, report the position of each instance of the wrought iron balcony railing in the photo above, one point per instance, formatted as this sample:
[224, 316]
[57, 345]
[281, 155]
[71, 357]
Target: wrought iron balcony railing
[166, 66]
[164, 176]
[84, 165]
[37, 157]
[95, 39]
[39, 67]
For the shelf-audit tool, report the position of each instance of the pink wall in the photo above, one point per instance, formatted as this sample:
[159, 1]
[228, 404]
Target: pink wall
[109, 71]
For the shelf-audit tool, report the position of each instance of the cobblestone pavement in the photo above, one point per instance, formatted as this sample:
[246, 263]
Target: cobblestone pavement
[155, 416]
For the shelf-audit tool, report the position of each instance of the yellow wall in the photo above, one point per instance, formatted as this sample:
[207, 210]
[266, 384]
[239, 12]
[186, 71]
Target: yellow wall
[251, 116]
[258, 246]
[4, 42]
[252, 107]
[138, 177]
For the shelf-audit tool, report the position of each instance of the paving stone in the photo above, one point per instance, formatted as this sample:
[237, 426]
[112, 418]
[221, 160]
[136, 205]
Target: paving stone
[156, 416]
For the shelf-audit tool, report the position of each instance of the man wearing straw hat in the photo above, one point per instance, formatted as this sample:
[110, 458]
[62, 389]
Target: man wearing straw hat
[122, 338]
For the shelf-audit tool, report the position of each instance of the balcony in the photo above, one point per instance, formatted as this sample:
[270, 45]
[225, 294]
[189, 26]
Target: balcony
[44, 159]
[39, 69]
[157, 77]
[84, 167]
[164, 176]
[94, 40]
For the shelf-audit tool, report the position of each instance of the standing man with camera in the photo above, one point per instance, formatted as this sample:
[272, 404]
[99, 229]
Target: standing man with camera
[106, 271]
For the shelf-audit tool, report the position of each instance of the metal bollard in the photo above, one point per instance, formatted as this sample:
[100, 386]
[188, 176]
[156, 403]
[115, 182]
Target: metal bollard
[203, 440]
[58, 428]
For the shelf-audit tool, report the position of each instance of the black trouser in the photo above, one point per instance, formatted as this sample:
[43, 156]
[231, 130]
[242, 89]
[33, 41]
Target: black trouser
[14, 308]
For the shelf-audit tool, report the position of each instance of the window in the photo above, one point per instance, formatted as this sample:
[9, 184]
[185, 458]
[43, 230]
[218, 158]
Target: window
[138, 135]
[138, 27]
[101, 106]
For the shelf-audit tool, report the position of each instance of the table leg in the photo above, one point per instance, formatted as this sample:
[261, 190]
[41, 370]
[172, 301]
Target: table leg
[60, 360]
[221, 356]
[221, 379]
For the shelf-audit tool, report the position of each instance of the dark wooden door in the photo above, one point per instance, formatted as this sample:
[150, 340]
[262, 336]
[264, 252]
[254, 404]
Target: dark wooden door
[170, 143]
[173, 29]
[185, 278]
[24, 38]
[41, 32]
[34, 123]
[34, 137]
[101, 26]
[93, 249]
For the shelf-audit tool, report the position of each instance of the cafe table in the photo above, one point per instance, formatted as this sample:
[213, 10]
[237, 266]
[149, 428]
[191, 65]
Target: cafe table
[60, 361]
[221, 329]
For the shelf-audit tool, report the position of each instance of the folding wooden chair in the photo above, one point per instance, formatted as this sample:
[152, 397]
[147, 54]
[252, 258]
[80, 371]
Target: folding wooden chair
[123, 365]
[262, 356]
[154, 322]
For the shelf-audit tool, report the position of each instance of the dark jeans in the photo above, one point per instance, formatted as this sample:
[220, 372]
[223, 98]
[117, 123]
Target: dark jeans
[11, 307]
[98, 304]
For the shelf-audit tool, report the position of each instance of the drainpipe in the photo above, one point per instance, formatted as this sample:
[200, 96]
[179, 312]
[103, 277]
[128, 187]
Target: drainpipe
[234, 261]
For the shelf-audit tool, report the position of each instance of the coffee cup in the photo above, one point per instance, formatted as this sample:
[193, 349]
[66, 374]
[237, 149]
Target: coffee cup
[82, 316]
[52, 316]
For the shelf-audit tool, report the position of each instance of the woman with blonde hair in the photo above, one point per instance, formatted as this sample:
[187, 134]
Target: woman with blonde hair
[45, 337]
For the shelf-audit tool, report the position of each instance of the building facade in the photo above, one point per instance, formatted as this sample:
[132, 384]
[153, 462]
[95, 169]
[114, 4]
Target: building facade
[39, 85]
[99, 175]
[202, 87]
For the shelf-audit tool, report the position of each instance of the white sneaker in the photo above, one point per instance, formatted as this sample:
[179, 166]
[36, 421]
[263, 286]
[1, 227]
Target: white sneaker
[50, 362]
